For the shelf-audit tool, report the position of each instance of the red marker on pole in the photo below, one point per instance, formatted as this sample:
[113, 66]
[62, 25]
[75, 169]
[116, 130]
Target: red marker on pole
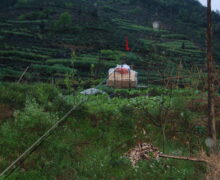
[127, 44]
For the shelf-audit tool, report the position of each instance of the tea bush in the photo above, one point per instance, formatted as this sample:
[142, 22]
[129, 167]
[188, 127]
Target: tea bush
[15, 94]
[92, 141]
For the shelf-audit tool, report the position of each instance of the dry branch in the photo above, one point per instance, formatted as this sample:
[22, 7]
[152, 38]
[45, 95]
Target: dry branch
[148, 151]
[182, 158]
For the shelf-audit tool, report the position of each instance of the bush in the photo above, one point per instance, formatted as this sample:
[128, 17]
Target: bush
[92, 141]
[21, 2]
[64, 22]
[29, 124]
[15, 95]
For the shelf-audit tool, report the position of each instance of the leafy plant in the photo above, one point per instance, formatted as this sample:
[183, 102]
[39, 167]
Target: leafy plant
[64, 22]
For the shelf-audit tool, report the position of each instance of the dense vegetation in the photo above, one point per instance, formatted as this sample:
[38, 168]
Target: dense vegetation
[92, 142]
[56, 37]
[67, 46]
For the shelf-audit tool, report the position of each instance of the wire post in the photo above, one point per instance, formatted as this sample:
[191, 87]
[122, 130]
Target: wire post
[114, 78]
[121, 75]
[129, 78]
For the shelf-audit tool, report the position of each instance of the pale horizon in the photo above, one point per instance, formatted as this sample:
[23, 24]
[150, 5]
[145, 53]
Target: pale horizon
[215, 4]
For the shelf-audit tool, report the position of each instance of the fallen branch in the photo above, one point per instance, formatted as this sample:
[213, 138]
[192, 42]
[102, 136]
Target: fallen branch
[148, 151]
[182, 158]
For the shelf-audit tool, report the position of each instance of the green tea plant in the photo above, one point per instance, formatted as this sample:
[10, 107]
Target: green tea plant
[64, 22]
[91, 143]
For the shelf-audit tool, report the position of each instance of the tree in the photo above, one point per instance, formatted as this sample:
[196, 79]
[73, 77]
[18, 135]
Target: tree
[42, 27]
[94, 13]
[64, 22]
[211, 88]
[183, 45]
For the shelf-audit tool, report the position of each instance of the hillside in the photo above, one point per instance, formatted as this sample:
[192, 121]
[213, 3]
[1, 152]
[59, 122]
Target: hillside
[84, 38]
[93, 140]
[53, 127]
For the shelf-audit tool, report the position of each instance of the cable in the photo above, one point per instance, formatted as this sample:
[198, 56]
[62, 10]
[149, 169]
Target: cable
[28, 151]
[38, 142]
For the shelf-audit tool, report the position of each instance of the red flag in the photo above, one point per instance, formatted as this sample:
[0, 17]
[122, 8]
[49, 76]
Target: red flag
[127, 44]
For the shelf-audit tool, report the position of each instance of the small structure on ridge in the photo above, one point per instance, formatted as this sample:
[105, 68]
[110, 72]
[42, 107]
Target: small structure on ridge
[122, 77]
[92, 91]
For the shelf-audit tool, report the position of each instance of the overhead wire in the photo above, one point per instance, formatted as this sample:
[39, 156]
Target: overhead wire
[38, 142]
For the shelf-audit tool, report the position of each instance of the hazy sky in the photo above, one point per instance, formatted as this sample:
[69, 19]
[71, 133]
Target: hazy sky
[215, 4]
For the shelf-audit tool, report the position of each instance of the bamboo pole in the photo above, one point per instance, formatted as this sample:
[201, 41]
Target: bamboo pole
[22, 75]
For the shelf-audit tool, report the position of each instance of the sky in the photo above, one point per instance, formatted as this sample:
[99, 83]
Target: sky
[215, 4]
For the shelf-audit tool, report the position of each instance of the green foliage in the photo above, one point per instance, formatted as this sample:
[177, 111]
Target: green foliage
[174, 36]
[56, 68]
[50, 32]
[93, 140]
[34, 175]
[21, 2]
[112, 55]
[64, 22]
[134, 27]
[96, 135]
[35, 15]
[15, 94]
[178, 44]
[15, 33]
[28, 125]
[21, 54]
[69, 4]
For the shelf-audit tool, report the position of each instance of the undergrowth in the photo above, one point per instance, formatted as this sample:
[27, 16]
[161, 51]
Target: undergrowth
[92, 142]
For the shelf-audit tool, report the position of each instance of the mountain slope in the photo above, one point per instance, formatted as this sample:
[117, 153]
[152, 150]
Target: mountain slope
[56, 37]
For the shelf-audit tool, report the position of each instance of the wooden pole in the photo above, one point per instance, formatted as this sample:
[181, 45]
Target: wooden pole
[121, 77]
[114, 79]
[211, 88]
[129, 78]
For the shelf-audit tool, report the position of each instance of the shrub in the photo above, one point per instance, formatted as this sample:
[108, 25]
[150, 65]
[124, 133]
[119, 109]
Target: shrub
[64, 22]
[92, 142]
[15, 95]
[28, 125]
[21, 2]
